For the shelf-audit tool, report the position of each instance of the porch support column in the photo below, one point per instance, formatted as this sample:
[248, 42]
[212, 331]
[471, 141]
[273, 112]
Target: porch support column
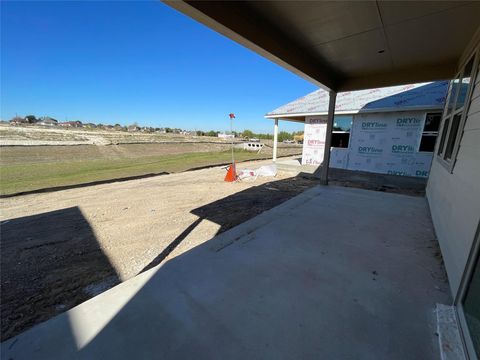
[275, 140]
[328, 138]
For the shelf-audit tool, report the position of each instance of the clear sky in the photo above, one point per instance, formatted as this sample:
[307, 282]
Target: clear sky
[124, 62]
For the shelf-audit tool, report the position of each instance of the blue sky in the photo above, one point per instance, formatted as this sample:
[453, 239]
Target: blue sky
[131, 62]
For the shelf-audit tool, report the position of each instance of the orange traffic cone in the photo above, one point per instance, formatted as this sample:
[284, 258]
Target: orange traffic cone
[231, 174]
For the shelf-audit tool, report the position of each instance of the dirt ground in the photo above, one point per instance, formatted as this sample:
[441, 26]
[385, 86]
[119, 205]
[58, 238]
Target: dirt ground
[56, 135]
[59, 249]
[30, 135]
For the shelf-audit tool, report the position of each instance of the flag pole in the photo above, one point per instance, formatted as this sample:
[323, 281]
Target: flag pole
[231, 172]
[231, 133]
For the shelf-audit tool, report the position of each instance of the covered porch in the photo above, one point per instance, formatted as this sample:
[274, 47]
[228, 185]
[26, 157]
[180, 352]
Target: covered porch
[334, 273]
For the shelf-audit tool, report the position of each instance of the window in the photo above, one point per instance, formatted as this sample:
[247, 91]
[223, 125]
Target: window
[430, 132]
[454, 115]
[341, 131]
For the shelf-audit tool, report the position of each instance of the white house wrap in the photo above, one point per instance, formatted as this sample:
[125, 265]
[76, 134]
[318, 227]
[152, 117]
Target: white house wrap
[378, 130]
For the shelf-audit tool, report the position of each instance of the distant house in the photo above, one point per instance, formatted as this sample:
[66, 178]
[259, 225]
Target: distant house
[75, 124]
[189, 133]
[161, 131]
[17, 120]
[147, 129]
[133, 128]
[47, 121]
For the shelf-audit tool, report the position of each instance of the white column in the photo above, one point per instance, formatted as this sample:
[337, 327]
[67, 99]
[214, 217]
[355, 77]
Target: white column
[275, 140]
[328, 138]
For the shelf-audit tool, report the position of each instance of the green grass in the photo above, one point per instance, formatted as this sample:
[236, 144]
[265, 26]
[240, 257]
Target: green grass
[20, 174]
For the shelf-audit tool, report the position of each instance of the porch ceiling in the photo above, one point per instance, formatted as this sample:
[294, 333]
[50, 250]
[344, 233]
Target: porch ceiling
[348, 45]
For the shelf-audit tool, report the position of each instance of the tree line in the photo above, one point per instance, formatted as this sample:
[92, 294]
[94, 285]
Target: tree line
[248, 134]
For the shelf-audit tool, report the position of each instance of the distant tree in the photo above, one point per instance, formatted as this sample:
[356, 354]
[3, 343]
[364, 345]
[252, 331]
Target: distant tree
[31, 119]
[248, 133]
[264, 136]
[200, 133]
[283, 135]
[212, 133]
[168, 130]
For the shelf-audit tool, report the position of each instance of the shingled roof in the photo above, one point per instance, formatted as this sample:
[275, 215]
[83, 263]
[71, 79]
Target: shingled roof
[395, 98]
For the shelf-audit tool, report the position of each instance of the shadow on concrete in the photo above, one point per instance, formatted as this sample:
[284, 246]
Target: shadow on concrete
[407, 185]
[50, 263]
[160, 257]
[242, 206]
[337, 273]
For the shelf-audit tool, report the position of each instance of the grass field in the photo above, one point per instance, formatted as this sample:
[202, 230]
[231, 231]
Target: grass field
[31, 168]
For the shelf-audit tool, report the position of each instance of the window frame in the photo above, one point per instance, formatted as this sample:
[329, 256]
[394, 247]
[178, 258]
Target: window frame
[441, 146]
[473, 259]
[430, 133]
[349, 132]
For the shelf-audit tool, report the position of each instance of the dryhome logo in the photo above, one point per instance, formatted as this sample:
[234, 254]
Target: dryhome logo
[397, 172]
[408, 122]
[373, 125]
[315, 142]
[402, 149]
[369, 150]
[421, 173]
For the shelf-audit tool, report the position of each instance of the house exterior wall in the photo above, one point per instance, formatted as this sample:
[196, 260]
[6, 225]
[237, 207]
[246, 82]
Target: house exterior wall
[454, 198]
[388, 143]
[314, 135]
[384, 143]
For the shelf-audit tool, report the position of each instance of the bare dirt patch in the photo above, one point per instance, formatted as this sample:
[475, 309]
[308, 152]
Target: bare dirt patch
[62, 248]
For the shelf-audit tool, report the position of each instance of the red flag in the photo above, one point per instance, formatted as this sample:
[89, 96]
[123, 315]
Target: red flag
[232, 115]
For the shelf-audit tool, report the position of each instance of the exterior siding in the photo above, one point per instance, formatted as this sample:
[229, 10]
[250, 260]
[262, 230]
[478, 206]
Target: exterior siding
[454, 198]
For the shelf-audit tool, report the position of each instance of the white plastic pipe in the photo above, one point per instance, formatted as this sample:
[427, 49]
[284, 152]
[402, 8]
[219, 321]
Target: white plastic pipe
[275, 140]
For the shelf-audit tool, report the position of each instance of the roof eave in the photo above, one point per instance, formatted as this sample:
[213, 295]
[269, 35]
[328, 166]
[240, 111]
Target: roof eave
[285, 116]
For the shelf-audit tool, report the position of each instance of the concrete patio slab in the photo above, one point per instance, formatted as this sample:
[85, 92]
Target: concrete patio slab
[334, 273]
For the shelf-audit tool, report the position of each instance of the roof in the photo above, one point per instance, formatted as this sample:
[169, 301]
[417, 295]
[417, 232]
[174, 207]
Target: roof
[48, 120]
[349, 45]
[395, 98]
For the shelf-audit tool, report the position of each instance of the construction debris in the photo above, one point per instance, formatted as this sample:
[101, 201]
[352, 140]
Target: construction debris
[266, 170]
